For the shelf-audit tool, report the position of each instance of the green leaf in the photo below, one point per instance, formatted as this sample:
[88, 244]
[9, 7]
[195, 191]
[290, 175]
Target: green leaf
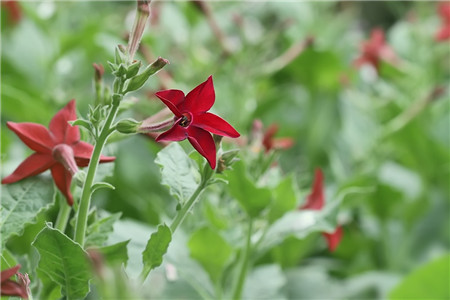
[178, 172]
[253, 199]
[63, 261]
[285, 199]
[296, 223]
[115, 254]
[156, 248]
[98, 231]
[210, 250]
[427, 282]
[102, 185]
[21, 202]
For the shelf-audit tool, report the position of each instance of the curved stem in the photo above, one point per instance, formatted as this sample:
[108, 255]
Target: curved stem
[83, 210]
[186, 208]
[63, 215]
[245, 263]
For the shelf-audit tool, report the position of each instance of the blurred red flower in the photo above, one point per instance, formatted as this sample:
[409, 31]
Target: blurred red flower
[270, 142]
[58, 149]
[443, 33]
[374, 50]
[316, 201]
[10, 287]
[192, 121]
[13, 10]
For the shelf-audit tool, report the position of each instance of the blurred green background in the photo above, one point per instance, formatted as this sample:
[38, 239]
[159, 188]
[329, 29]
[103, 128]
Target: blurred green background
[340, 117]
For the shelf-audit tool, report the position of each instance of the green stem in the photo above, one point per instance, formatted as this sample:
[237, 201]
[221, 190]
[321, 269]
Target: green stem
[83, 210]
[63, 215]
[187, 207]
[245, 263]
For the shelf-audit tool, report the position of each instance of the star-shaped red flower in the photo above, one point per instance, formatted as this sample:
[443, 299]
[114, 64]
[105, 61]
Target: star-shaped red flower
[58, 148]
[376, 49]
[10, 287]
[315, 201]
[444, 32]
[270, 142]
[193, 121]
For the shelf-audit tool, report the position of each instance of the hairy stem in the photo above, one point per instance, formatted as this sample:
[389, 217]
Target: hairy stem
[83, 210]
[245, 263]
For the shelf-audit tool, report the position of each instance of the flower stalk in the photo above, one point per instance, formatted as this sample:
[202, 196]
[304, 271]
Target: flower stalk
[237, 294]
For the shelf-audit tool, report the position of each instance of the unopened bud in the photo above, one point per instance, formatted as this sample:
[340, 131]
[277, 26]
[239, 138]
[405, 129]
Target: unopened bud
[133, 69]
[142, 15]
[226, 160]
[138, 81]
[127, 126]
[99, 71]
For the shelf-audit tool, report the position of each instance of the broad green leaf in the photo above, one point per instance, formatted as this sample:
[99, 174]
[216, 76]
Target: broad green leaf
[156, 248]
[285, 199]
[178, 172]
[98, 231]
[64, 261]
[115, 254]
[252, 198]
[296, 223]
[210, 250]
[430, 281]
[21, 202]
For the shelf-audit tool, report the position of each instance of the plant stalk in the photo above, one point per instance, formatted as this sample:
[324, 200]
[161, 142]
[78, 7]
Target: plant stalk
[83, 210]
[63, 215]
[245, 263]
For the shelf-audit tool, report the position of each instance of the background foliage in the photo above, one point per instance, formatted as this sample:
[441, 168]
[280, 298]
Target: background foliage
[354, 124]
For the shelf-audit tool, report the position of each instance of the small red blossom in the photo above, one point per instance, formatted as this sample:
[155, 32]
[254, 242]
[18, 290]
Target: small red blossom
[316, 201]
[193, 121]
[10, 287]
[334, 238]
[13, 10]
[443, 33]
[374, 50]
[58, 148]
[269, 142]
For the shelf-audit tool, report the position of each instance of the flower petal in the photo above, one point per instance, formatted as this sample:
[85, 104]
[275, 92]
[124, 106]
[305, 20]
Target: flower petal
[333, 239]
[13, 288]
[61, 129]
[6, 274]
[173, 99]
[35, 164]
[83, 151]
[201, 98]
[62, 179]
[35, 136]
[315, 200]
[176, 133]
[214, 124]
[203, 142]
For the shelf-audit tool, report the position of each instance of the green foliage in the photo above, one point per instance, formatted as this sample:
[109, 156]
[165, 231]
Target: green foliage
[64, 262]
[98, 230]
[21, 202]
[156, 248]
[426, 282]
[178, 172]
[115, 254]
[211, 251]
[252, 198]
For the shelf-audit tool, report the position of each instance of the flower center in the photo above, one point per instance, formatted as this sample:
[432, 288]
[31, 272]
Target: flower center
[63, 154]
[185, 120]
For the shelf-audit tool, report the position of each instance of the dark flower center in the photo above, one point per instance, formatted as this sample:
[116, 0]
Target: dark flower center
[185, 120]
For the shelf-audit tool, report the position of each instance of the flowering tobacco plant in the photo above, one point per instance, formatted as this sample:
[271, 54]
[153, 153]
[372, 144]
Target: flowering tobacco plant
[316, 201]
[193, 121]
[10, 287]
[375, 50]
[443, 34]
[58, 148]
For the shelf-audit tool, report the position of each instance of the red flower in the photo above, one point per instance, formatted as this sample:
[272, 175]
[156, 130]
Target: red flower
[58, 149]
[315, 201]
[444, 33]
[14, 11]
[192, 121]
[10, 287]
[269, 142]
[375, 50]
